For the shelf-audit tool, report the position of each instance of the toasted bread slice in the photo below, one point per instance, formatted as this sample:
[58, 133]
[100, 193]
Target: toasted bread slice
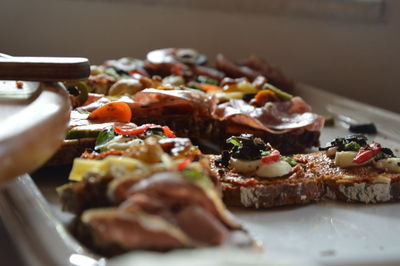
[69, 150]
[254, 192]
[365, 184]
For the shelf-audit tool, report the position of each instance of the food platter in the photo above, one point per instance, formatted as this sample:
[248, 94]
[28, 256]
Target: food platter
[326, 233]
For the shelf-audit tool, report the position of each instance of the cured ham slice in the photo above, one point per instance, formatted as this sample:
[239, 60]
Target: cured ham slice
[159, 103]
[273, 117]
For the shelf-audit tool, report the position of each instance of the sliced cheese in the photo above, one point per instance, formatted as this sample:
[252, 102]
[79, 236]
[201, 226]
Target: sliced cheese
[81, 166]
[271, 170]
[113, 163]
[345, 158]
[244, 166]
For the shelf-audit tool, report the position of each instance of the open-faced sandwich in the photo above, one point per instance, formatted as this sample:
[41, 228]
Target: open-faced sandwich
[173, 87]
[147, 191]
[355, 171]
[254, 174]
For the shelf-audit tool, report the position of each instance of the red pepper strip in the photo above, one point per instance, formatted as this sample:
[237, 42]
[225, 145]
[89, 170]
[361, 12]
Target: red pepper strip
[140, 130]
[365, 155]
[183, 164]
[272, 158]
[168, 132]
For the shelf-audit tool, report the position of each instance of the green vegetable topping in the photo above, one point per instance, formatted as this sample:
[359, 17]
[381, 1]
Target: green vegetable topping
[289, 160]
[193, 85]
[103, 138]
[352, 146]
[111, 72]
[192, 175]
[341, 143]
[205, 79]
[234, 141]
[265, 153]
[283, 95]
[384, 153]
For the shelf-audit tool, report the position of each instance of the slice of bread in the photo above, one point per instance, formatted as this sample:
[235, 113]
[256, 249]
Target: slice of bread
[298, 187]
[71, 149]
[364, 184]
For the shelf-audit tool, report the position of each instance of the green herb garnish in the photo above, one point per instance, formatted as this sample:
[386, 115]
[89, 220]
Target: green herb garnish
[384, 153]
[352, 146]
[234, 141]
[104, 137]
[289, 160]
[265, 153]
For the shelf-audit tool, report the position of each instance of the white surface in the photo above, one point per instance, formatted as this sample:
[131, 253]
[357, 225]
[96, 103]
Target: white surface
[326, 233]
[329, 233]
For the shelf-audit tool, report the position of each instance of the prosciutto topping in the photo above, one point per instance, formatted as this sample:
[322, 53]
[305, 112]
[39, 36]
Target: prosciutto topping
[274, 117]
[159, 103]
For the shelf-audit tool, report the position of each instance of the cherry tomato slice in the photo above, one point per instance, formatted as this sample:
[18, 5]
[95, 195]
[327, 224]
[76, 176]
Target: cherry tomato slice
[271, 158]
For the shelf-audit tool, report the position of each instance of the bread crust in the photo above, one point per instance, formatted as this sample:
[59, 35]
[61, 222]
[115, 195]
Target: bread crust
[252, 192]
[69, 150]
[364, 184]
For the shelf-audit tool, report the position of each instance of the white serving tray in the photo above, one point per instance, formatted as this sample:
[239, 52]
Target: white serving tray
[325, 233]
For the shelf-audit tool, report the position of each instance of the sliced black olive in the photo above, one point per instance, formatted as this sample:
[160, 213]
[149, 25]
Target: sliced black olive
[340, 143]
[246, 153]
[387, 151]
[260, 144]
[224, 160]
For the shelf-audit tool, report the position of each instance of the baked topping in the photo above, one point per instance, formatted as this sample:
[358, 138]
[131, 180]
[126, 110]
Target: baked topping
[354, 150]
[251, 156]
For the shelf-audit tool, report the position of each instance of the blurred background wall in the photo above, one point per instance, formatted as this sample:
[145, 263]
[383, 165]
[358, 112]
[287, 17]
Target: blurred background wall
[358, 58]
